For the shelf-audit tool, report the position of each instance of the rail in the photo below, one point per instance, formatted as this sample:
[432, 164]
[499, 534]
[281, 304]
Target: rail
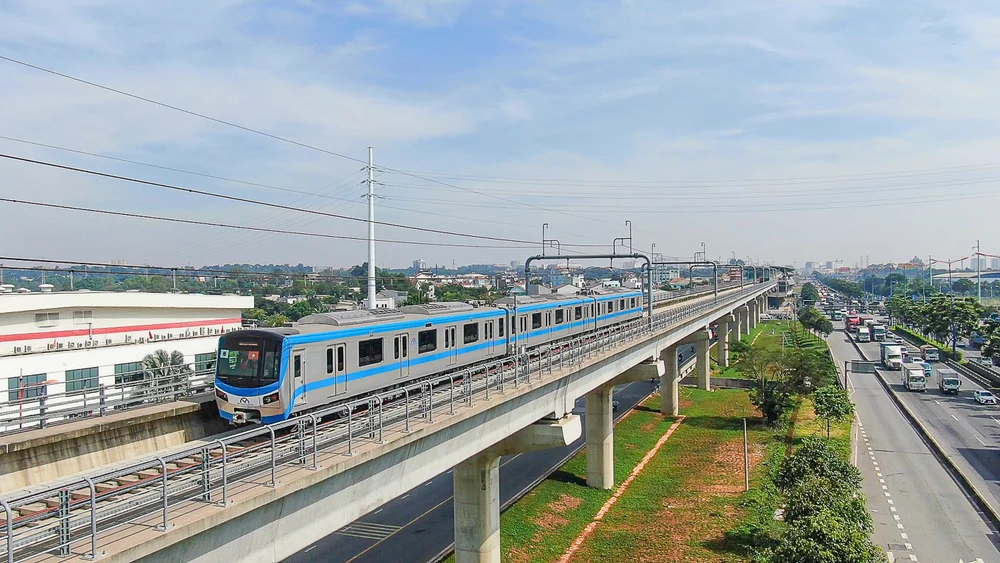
[37, 408]
[67, 518]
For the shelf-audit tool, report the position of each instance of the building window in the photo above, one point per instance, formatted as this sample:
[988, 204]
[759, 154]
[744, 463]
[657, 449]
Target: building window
[79, 379]
[578, 313]
[559, 316]
[82, 317]
[26, 387]
[43, 320]
[471, 332]
[427, 341]
[129, 372]
[204, 362]
[369, 352]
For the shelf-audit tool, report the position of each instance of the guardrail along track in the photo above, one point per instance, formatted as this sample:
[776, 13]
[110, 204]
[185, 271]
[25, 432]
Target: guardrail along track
[68, 519]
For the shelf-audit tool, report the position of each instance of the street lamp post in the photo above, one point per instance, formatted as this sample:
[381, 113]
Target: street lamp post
[544, 225]
[629, 223]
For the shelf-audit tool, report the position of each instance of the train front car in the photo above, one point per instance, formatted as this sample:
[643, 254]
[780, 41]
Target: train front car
[248, 375]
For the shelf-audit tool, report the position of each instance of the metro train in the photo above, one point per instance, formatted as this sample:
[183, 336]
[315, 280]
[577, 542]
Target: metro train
[271, 374]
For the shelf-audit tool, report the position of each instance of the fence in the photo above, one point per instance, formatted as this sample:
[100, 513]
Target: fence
[52, 520]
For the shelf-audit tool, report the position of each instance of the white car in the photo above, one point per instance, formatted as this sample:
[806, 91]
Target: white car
[985, 398]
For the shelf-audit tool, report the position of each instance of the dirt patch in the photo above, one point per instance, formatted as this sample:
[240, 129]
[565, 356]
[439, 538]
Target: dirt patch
[685, 403]
[648, 426]
[551, 519]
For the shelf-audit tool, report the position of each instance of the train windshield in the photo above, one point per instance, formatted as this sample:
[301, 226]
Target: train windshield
[247, 361]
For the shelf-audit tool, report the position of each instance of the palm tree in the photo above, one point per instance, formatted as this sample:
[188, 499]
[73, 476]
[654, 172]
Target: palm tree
[164, 375]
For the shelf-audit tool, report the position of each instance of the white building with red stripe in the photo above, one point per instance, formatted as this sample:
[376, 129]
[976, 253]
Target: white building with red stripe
[78, 340]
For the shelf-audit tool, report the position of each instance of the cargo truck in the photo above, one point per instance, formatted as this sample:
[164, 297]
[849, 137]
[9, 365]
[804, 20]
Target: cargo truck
[878, 333]
[930, 353]
[892, 358]
[913, 378]
[851, 324]
[948, 381]
[863, 335]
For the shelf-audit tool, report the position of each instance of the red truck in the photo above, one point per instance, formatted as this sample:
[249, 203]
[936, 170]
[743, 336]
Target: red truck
[851, 323]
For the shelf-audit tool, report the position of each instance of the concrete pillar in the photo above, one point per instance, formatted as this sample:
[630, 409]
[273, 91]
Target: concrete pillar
[722, 341]
[477, 487]
[703, 366]
[736, 328]
[669, 389]
[477, 510]
[745, 319]
[600, 438]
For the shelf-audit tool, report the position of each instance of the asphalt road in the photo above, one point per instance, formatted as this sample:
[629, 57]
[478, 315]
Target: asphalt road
[920, 512]
[418, 526]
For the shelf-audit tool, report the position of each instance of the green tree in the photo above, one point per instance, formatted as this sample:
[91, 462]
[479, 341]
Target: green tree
[963, 286]
[806, 369]
[769, 394]
[276, 320]
[815, 494]
[809, 293]
[165, 375]
[825, 537]
[815, 458]
[832, 403]
[938, 315]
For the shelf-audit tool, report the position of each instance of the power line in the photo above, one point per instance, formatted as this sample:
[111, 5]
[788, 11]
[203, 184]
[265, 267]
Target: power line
[277, 137]
[262, 203]
[182, 110]
[249, 228]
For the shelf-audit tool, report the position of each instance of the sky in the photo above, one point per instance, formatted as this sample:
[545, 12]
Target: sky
[779, 131]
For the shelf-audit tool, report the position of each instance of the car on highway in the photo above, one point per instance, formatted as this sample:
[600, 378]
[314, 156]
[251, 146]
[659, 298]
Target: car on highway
[985, 398]
[928, 370]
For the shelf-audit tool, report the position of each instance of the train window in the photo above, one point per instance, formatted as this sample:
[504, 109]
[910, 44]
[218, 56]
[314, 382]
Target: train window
[297, 366]
[447, 338]
[329, 360]
[536, 320]
[500, 326]
[405, 353]
[559, 316]
[471, 332]
[369, 352]
[427, 340]
[633, 303]
[621, 305]
[340, 358]
[395, 348]
[611, 306]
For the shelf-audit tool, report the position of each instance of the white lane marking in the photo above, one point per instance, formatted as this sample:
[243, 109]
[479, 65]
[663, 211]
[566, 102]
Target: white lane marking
[913, 557]
[428, 483]
[904, 536]
[885, 487]
[890, 502]
[908, 546]
[879, 474]
[900, 526]
[955, 417]
[310, 548]
[892, 509]
[881, 481]
[937, 402]
[379, 510]
[895, 517]
[980, 441]
[405, 496]
[887, 494]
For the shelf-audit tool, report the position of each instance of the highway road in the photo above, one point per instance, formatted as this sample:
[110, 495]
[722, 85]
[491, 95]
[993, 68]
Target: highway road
[418, 526]
[920, 512]
[968, 432]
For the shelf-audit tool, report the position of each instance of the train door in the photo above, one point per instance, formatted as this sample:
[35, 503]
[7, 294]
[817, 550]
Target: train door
[450, 344]
[299, 375]
[488, 334]
[336, 367]
[401, 354]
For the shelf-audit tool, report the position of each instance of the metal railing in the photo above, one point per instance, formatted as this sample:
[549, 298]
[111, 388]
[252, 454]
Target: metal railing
[37, 408]
[67, 518]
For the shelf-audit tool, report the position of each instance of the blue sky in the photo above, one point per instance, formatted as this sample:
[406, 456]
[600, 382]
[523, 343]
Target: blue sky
[778, 129]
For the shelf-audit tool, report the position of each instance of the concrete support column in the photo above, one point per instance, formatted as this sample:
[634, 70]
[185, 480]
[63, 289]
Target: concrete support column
[736, 328]
[722, 341]
[669, 388]
[703, 366]
[745, 319]
[477, 509]
[600, 438]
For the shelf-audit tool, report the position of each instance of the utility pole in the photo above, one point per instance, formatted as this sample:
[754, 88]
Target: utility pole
[979, 273]
[371, 229]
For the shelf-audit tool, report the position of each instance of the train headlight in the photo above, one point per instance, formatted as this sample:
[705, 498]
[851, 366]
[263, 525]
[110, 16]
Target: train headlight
[221, 394]
[272, 398]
